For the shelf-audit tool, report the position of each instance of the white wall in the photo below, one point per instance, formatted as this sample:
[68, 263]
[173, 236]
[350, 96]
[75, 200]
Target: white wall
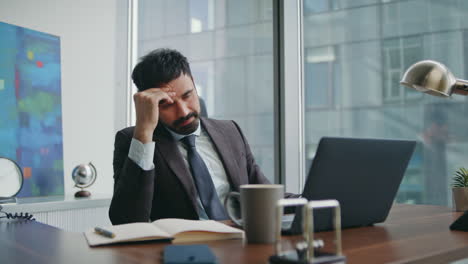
[93, 75]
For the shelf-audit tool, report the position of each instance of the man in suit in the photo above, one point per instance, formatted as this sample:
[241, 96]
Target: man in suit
[174, 163]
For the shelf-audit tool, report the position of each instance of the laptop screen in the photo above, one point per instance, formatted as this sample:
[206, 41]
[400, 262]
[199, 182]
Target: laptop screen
[362, 174]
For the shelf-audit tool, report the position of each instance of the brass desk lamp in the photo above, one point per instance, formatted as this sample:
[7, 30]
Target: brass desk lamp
[433, 78]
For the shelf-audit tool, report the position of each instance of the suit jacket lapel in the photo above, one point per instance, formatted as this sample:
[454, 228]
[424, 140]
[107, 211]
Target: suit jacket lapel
[170, 152]
[221, 144]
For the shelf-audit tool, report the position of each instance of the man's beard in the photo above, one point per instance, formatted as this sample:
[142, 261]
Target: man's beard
[187, 129]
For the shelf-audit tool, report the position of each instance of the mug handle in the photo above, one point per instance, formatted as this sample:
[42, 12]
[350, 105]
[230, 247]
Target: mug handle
[230, 195]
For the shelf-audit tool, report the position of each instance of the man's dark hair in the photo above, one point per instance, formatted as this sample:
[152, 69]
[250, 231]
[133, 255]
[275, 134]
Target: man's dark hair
[158, 67]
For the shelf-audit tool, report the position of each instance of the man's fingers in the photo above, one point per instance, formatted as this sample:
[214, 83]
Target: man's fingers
[168, 90]
[156, 89]
[156, 92]
[167, 98]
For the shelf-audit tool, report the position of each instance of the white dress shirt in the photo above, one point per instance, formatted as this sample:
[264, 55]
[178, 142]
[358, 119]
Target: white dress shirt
[142, 154]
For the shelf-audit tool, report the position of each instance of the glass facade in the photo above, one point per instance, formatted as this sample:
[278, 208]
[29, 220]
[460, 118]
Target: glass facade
[229, 44]
[356, 52]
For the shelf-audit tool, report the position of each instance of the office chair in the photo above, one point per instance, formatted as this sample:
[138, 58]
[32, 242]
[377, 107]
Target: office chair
[203, 111]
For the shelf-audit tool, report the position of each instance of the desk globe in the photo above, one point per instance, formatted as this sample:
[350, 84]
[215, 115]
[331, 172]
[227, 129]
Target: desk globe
[84, 175]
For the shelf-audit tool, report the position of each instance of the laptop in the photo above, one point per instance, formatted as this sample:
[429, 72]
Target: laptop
[362, 174]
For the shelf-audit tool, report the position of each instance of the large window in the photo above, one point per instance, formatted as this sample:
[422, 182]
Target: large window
[229, 45]
[355, 53]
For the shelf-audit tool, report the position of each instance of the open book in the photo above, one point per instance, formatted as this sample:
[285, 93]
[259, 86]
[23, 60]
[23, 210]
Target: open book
[180, 230]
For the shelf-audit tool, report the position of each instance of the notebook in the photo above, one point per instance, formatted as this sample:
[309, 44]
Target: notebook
[177, 230]
[362, 174]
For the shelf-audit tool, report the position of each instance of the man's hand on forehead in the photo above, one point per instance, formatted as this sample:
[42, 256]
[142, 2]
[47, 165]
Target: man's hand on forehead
[147, 104]
[166, 89]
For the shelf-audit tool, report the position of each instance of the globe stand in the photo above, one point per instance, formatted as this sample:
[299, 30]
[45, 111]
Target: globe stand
[84, 175]
[82, 193]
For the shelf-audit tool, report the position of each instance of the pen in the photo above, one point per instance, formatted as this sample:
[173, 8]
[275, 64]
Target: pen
[104, 232]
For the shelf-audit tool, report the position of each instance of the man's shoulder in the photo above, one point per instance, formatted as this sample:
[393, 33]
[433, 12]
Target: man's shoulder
[218, 122]
[225, 127]
[128, 131]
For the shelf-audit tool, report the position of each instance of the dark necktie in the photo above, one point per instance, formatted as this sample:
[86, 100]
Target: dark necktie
[203, 181]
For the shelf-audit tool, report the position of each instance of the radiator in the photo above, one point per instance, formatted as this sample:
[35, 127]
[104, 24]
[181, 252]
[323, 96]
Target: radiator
[75, 220]
[67, 213]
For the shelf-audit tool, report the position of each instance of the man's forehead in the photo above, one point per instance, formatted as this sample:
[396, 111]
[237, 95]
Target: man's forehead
[180, 90]
[181, 85]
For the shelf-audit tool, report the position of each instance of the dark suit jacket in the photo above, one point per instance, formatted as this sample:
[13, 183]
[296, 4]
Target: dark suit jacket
[169, 190]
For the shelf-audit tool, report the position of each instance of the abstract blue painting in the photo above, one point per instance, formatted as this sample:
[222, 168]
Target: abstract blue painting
[31, 108]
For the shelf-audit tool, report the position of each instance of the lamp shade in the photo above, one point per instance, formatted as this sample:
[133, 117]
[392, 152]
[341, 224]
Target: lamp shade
[434, 78]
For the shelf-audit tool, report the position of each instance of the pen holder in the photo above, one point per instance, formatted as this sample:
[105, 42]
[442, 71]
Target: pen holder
[308, 251]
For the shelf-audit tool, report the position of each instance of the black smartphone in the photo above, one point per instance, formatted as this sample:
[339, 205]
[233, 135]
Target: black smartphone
[182, 254]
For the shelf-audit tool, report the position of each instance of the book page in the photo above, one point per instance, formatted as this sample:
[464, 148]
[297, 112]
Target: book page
[174, 226]
[126, 233]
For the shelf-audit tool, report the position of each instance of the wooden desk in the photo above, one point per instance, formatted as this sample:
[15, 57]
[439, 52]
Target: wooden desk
[411, 234]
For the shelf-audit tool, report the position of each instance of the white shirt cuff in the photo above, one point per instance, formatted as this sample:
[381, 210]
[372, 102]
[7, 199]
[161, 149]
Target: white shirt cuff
[142, 154]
